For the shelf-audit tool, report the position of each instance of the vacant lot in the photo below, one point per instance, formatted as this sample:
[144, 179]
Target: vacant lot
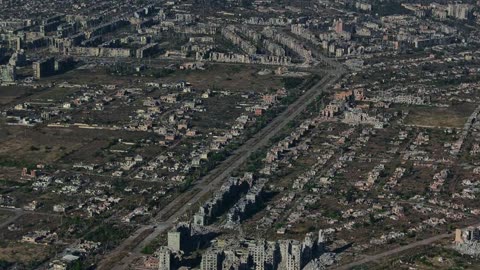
[28, 255]
[4, 216]
[21, 146]
[451, 117]
[215, 76]
[10, 93]
[228, 77]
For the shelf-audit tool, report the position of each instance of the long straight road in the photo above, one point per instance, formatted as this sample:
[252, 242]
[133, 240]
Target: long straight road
[130, 248]
[395, 251]
[376, 257]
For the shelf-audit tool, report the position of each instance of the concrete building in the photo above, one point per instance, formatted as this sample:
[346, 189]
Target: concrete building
[174, 240]
[338, 26]
[459, 11]
[7, 74]
[18, 59]
[264, 255]
[187, 237]
[165, 259]
[291, 255]
[43, 68]
[147, 50]
[212, 260]
[469, 234]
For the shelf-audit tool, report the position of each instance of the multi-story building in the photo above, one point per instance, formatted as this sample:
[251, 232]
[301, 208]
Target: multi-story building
[7, 73]
[291, 255]
[178, 239]
[43, 68]
[264, 255]
[212, 260]
[469, 234]
[164, 255]
[459, 11]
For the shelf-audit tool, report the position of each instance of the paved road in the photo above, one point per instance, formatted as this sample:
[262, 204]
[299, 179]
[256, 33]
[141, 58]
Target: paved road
[214, 179]
[395, 251]
[376, 257]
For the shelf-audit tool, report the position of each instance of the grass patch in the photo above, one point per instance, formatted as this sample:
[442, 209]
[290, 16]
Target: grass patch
[451, 117]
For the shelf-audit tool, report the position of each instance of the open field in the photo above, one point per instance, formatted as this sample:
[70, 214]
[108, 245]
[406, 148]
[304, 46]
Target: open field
[4, 216]
[215, 76]
[25, 254]
[229, 77]
[53, 94]
[451, 117]
[35, 145]
[9, 93]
